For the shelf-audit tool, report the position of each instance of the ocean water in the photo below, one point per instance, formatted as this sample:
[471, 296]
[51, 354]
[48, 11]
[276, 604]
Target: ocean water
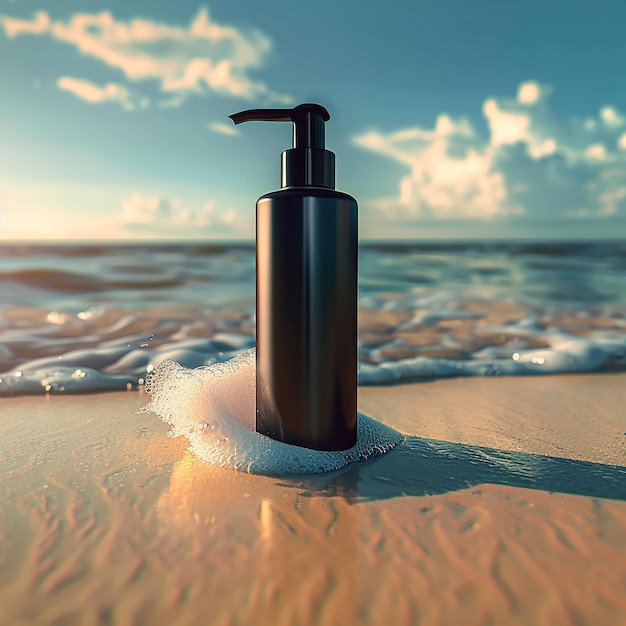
[88, 318]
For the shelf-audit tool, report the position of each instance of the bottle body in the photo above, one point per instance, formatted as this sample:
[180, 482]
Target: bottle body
[306, 317]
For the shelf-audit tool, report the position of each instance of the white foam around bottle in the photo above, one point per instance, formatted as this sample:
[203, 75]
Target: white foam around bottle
[215, 408]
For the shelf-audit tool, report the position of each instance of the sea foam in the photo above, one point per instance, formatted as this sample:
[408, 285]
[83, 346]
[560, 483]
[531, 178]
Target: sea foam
[85, 319]
[215, 408]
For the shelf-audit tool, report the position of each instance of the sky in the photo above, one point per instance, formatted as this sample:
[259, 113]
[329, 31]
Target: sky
[449, 119]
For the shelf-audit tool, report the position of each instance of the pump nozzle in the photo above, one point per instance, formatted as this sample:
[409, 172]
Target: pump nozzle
[308, 162]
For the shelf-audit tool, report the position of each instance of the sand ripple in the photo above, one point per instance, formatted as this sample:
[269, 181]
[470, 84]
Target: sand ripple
[106, 521]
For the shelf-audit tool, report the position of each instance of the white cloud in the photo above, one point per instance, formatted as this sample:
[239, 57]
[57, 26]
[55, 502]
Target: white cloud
[224, 129]
[173, 102]
[203, 57]
[13, 27]
[88, 91]
[163, 214]
[529, 93]
[612, 117]
[449, 176]
[596, 151]
[530, 164]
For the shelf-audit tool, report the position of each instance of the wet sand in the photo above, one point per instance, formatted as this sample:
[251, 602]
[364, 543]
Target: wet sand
[505, 505]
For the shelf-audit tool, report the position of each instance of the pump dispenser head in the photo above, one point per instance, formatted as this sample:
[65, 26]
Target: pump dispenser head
[308, 163]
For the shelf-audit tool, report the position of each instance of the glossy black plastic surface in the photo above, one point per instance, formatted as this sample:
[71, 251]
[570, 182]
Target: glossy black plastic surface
[307, 317]
[306, 289]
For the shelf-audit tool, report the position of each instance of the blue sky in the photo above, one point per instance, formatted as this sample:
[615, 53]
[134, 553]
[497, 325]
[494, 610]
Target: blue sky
[449, 119]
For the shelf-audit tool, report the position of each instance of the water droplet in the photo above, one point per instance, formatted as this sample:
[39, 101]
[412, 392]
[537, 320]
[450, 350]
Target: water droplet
[55, 317]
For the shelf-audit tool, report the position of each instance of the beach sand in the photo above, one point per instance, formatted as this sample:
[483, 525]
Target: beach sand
[506, 505]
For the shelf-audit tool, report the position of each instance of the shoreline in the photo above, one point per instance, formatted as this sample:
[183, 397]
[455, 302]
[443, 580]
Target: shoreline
[575, 416]
[104, 519]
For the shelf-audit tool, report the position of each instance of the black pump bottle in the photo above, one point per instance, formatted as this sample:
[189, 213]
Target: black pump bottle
[306, 293]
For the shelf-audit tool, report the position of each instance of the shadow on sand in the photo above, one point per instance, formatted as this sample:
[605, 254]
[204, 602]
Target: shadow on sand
[419, 467]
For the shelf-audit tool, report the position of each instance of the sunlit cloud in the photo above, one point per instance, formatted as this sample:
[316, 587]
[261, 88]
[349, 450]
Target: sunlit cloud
[173, 102]
[531, 163]
[205, 57]
[223, 129]
[14, 27]
[169, 215]
[88, 91]
[612, 117]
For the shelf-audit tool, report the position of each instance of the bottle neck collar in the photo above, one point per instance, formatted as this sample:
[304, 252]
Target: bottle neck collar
[303, 167]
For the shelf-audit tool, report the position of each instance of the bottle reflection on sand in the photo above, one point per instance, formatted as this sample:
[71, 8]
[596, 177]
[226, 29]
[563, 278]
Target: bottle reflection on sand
[264, 544]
